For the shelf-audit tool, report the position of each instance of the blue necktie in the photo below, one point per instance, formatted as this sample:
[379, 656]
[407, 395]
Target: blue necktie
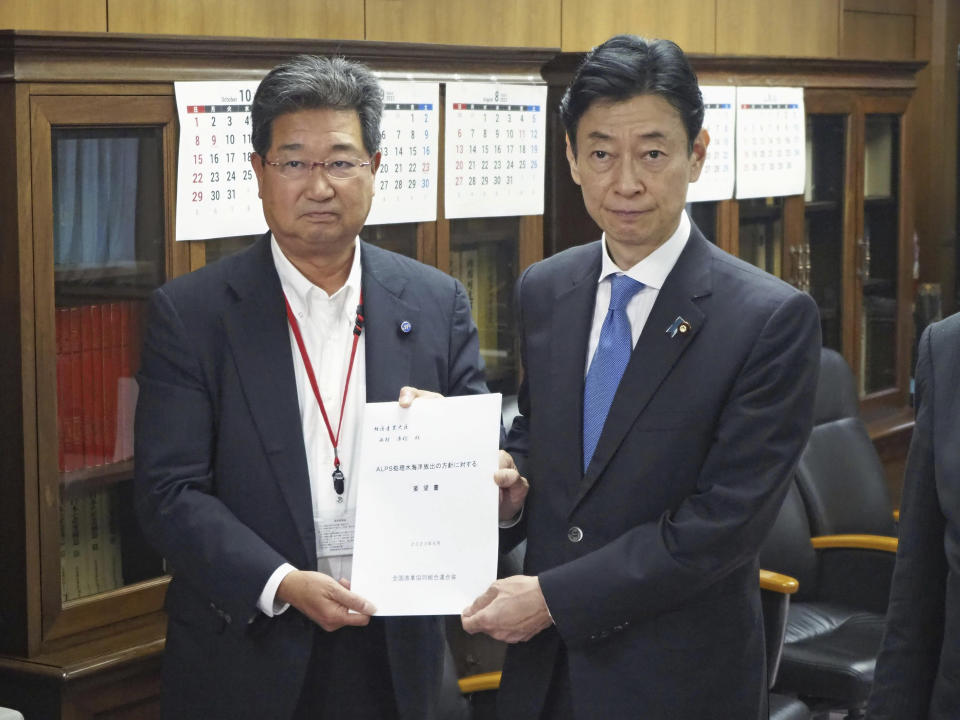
[609, 362]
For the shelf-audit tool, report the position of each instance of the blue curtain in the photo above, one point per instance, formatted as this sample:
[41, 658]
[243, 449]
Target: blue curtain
[94, 201]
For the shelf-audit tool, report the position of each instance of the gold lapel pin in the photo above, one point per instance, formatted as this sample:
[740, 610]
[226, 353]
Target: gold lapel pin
[678, 326]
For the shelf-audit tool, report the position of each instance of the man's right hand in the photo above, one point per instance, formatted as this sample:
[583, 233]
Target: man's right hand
[324, 600]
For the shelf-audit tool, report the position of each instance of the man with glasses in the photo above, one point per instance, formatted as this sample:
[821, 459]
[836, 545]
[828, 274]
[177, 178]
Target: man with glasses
[254, 375]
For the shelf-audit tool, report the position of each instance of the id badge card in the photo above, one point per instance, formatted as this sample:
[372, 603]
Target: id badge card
[334, 533]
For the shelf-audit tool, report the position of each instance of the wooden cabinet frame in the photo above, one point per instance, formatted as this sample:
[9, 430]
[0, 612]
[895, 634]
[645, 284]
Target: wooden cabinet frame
[100, 654]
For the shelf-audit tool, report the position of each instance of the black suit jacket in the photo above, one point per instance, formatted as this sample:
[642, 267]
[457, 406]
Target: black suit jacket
[918, 671]
[648, 561]
[221, 473]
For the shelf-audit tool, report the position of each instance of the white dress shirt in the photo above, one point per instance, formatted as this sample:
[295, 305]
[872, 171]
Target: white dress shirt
[326, 325]
[652, 271]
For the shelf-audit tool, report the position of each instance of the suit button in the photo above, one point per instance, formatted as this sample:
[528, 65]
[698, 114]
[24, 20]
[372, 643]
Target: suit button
[574, 534]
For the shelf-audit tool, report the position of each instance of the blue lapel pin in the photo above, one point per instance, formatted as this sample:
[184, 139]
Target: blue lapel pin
[679, 325]
[406, 327]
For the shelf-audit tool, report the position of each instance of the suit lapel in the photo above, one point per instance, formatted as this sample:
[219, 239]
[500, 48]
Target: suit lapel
[256, 329]
[656, 352]
[572, 317]
[389, 352]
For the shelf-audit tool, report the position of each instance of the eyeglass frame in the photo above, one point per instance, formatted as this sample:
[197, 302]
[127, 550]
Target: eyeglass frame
[314, 164]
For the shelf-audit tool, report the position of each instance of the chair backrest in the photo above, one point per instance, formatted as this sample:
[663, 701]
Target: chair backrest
[787, 548]
[840, 476]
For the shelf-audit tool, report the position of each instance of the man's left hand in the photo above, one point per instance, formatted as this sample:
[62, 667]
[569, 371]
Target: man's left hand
[408, 394]
[513, 487]
[511, 610]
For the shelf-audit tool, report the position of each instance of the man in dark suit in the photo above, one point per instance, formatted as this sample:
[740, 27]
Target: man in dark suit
[254, 374]
[918, 671]
[668, 391]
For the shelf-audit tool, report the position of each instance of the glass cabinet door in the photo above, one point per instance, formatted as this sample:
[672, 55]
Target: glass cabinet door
[878, 253]
[484, 256]
[102, 231]
[704, 216]
[819, 261]
[761, 233]
[108, 253]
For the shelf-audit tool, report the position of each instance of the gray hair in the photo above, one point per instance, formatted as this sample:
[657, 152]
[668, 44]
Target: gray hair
[309, 82]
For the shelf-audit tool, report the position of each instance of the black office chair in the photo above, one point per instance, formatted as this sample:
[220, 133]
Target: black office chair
[775, 592]
[832, 635]
[836, 535]
[844, 490]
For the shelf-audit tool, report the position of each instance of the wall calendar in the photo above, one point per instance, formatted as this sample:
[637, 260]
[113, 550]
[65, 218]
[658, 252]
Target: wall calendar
[771, 142]
[216, 187]
[494, 149]
[406, 183]
[718, 173]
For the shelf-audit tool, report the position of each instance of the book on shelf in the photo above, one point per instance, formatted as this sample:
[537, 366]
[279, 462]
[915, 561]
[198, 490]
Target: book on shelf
[73, 564]
[878, 160]
[470, 279]
[61, 332]
[94, 550]
[64, 584]
[97, 357]
[111, 373]
[75, 458]
[488, 281]
[90, 560]
[112, 525]
[90, 358]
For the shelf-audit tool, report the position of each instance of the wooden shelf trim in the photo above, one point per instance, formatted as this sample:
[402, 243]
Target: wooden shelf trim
[27, 56]
[776, 71]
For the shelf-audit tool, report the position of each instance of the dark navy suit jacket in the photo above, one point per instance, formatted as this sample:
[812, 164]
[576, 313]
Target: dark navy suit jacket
[918, 671]
[221, 473]
[648, 561]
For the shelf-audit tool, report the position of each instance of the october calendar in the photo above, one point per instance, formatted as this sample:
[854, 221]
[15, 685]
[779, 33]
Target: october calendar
[771, 142]
[216, 187]
[494, 149]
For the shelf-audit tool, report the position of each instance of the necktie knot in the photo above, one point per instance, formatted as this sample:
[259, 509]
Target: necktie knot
[622, 288]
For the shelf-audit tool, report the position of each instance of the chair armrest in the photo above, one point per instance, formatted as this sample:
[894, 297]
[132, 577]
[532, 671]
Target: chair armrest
[776, 582]
[884, 543]
[479, 682]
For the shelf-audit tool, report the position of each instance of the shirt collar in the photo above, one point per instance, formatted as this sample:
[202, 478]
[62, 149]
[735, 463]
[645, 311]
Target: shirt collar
[301, 292]
[652, 271]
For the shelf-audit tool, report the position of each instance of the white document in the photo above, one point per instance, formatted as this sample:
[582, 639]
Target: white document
[771, 142]
[427, 531]
[716, 178]
[406, 183]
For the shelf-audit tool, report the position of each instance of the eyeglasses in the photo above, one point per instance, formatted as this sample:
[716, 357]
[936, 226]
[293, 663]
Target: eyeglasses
[338, 168]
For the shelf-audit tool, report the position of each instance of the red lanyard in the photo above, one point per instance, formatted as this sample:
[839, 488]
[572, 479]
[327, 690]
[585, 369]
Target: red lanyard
[334, 439]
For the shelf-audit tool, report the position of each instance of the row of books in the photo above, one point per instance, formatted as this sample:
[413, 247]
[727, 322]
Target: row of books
[90, 558]
[478, 267]
[98, 351]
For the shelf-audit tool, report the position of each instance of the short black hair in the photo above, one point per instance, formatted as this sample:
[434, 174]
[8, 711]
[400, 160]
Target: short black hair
[311, 82]
[626, 66]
